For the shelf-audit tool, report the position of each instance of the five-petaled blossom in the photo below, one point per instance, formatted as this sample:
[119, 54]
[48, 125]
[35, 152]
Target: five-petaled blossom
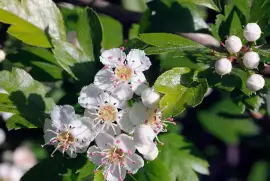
[123, 75]
[104, 110]
[67, 131]
[116, 155]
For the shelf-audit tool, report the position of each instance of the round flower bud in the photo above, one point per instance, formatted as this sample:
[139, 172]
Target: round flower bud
[2, 55]
[255, 82]
[233, 44]
[251, 60]
[150, 97]
[152, 155]
[223, 66]
[252, 32]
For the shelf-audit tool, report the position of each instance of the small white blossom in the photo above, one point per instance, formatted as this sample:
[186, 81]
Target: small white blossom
[251, 60]
[67, 131]
[150, 97]
[143, 138]
[252, 32]
[2, 55]
[116, 155]
[24, 158]
[223, 66]
[255, 82]
[233, 44]
[104, 110]
[2, 136]
[122, 75]
[10, 172]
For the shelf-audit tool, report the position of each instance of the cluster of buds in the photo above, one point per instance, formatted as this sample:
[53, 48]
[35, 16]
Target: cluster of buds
[250, 59]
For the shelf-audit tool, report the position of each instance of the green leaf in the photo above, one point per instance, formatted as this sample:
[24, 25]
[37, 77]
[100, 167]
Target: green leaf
[60, 168]
[175, 17]
[112, 32]
[74, 61]
[6, 105]
[164, 42]
[228, 24]
[243, 75]
[28, 96]
[89, 33]
[180, 90]
[226, 121]
[259, 171]
[43, 16]
[137, 6]
[207, 3]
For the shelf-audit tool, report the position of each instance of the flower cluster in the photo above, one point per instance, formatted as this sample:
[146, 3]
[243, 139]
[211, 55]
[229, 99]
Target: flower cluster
[118, 128]
[243, 55]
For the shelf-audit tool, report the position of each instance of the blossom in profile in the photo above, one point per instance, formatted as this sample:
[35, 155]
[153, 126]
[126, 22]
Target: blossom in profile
[67, 131]
[116, 155]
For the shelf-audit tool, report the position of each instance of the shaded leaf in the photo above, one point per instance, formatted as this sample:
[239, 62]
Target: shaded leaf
[226, 121]
[89, 33]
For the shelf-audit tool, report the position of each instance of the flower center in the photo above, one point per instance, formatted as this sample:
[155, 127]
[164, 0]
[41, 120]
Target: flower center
[116, 155]
[123, 72]
[107, 113]
[65, 138]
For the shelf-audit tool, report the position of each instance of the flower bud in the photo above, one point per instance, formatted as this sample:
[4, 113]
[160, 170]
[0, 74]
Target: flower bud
[152, 155]
[150, 97]
[223, 66]
[251, 60]
[2, 55]
[252, 32]
[255, 82]
[233, 44]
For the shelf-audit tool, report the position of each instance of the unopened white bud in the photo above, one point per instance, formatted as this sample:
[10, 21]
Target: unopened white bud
[223, 66]
[251, 60]
[252, 32]
[150, 97]
[255, 82]
[2, 55]
[152, 155]
[233, 44]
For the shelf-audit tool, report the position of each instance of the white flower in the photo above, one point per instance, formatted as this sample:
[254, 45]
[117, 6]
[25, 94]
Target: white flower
[67, 131]
[140, 114]
[233, 44]
[104, 110]
[255, 82]
[24, 158]
[116, 155]
[223, 66]
[10, 172]
[251, 60]
[2, 55]
[150, 97]
[122, 76]
[252, 32]
[143, 138]
[2, 136]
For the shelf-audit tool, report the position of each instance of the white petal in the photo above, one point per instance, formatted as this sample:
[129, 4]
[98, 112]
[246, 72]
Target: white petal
[63, 114]
[2, 136]
[123, 92]
[112, 57]
[110, 99]
[94, 157]
[116, 174]
[138, 113]
[125, 142]
[112, 129]
[124, 121]
[48, 135]
[134, 163]
[152, 154]
[88, 96]
[139, 83]
[144, 135]
[104, 140]
[138, 60]
[103, 79]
